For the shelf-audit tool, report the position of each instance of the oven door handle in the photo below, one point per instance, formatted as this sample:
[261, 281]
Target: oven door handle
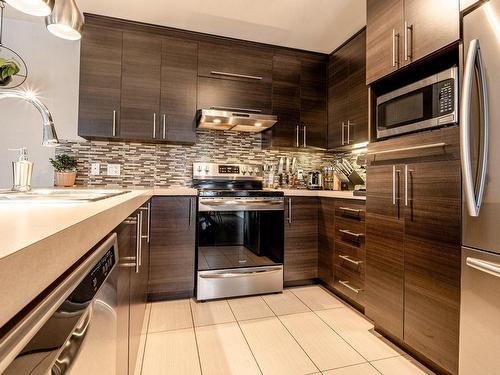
[231, 275]
[240, 203]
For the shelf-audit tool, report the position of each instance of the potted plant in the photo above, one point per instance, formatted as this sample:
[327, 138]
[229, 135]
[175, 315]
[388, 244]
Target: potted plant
[65, 170]
[8, 69]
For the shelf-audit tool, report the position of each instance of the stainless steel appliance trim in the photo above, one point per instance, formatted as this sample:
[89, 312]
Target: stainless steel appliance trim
[346, 231]
[474, 63]
[484, 266]
[22, 333]
[348, 259]
[408, 51]
[411, 148]
[236, 109]
[154, 125]
[114, 123]
[240, 204]
[164, 133]
[233, 274]
[393, 185]
[236, 75]
[348, 286]
[421, 125]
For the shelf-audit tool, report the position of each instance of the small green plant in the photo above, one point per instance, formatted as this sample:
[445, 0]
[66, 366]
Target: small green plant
[63, 163]
[8, 69]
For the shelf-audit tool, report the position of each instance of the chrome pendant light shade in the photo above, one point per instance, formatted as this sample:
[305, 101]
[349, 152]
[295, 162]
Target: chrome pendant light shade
[39, 8]
[66, 20]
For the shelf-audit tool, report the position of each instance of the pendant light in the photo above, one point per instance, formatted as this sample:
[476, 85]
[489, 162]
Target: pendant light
[66, 20]
[39, 8]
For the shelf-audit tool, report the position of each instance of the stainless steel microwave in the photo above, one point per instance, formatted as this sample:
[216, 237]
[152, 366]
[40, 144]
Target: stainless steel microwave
[428, 103]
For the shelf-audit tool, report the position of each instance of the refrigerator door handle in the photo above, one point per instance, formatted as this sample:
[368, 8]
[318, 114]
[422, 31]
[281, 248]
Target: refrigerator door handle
[474, 67]
[484, 266]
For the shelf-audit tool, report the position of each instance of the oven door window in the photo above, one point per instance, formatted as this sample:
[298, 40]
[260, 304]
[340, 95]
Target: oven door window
[410, 108]
[240, 239]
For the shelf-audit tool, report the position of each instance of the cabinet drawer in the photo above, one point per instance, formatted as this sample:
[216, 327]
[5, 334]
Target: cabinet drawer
[238, 95]
[351, 258]
[348, 285]
[350, 232]
[235, 62]
[350, 210]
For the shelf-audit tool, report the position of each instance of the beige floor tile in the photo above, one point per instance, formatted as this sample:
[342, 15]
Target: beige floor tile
[170, 315]
[140, 355]
[400, 365]
[326, 349]
[275, 349]
[213, 312]
[223, 350]
[171, 353]
[363, 369]
[250, 308]
[285, 303]
[316, 298]
[356, 331]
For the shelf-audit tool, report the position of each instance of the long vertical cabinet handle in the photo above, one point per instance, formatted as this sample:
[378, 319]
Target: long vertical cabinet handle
[289, 210]
[408, 36]
[164, 133]
[297, 129]
[395, 48]
[305, 136]
[138, 242]
[148, 210]
[154, 125]
[406, 186]
[343, 133]
[348, 132]
[474, 64]
[114, 123]
[190, 210]
[393, 185]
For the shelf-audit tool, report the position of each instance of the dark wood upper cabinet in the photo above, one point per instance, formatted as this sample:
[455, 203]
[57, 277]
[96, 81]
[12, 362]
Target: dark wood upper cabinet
[179, 67]
[141, 79]
[172, 247]
[100, 82]
[348, 94]
[400, 32]
[301, 239]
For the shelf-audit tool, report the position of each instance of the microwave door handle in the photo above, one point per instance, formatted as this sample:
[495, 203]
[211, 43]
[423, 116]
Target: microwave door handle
[474, 67]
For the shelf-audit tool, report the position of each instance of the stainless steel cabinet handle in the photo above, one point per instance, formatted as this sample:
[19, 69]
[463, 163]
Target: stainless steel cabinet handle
[154, 126]
[148, 209]
[408, 35]
[348, 232]
[395, 48]
[190, 210]
[236, 75]
[297, 129]
[348, 132]
[343, 133]
[348, 286]
[474, 66]
[138, 244]
[394, 185]
[351, 211]
[406, 186]
[289, 210]
[114, 123]
[348, 259]
[164, 126]
[484, 266]
[305, 136]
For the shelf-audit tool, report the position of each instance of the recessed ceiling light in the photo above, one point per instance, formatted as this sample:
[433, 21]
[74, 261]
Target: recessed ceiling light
[217, 121]
[40, 8]
[259, 124]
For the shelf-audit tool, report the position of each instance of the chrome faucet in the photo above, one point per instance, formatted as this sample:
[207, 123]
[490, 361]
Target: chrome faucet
[49, 131]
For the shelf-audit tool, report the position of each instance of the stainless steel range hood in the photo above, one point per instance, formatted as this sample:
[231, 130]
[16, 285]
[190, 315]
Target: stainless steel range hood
[234, 119]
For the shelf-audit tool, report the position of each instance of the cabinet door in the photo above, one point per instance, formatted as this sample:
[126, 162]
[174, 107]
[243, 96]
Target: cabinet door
[301, 239]
[358, 91]
[179, 68]
[384, 272]
[431, 25]
[100, 82]
[140, 103]
[433, 261]
[338, 98]
[326, 239]
[313, 98]
[383, 18]
[286, 102]
[172, 247]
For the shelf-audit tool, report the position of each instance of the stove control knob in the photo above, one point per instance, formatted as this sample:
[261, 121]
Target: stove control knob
[244, 169]
[207, 169]
[256, 170]
[199, 168]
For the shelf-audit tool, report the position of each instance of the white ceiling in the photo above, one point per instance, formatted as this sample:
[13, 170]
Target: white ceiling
[314, 25]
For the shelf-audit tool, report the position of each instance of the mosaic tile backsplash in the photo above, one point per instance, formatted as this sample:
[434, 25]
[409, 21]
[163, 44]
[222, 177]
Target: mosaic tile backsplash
[165, 165]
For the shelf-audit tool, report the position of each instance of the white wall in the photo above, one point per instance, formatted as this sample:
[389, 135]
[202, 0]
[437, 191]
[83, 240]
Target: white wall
[53, 65]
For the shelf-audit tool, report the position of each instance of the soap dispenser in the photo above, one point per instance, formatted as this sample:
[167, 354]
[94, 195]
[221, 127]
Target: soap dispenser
[22, 170]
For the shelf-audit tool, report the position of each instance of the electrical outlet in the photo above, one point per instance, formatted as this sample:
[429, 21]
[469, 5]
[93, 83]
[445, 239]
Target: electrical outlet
[95, 169]
[113, 170]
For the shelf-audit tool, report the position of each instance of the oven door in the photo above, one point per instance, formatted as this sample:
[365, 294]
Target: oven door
[240, 246]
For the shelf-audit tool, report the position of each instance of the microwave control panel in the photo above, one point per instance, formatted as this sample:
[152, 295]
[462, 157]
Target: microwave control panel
[446, 96]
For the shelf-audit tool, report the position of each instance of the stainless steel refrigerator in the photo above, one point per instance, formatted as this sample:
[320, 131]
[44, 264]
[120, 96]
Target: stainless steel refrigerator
[480, 137]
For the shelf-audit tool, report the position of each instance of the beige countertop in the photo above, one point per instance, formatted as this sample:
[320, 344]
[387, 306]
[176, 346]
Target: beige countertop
[40, 241]
[320, 193]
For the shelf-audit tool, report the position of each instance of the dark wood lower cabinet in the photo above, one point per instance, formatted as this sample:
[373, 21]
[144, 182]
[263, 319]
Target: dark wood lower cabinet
[173, 239]
[326, 240]
[301, 239]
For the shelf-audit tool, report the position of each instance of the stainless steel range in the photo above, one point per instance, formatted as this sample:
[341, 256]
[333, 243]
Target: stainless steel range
[240, 232]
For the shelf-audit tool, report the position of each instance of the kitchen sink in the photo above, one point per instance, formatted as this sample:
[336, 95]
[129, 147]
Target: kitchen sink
[59, 195]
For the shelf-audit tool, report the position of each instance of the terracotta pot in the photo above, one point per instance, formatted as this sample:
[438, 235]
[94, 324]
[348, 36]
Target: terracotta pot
[65, 179]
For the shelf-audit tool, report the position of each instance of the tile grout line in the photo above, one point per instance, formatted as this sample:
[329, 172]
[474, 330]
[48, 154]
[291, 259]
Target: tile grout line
[245, 338]
[195, 337]
[146, 339]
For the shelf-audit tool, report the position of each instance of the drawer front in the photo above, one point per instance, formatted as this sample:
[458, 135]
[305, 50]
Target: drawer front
[350, 232]
[235, 62]
[350, 210]
[348, 285]
[351, 259]
[238, 95]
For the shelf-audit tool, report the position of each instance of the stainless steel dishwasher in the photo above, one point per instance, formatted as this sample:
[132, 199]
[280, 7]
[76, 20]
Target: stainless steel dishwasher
[74, 329]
